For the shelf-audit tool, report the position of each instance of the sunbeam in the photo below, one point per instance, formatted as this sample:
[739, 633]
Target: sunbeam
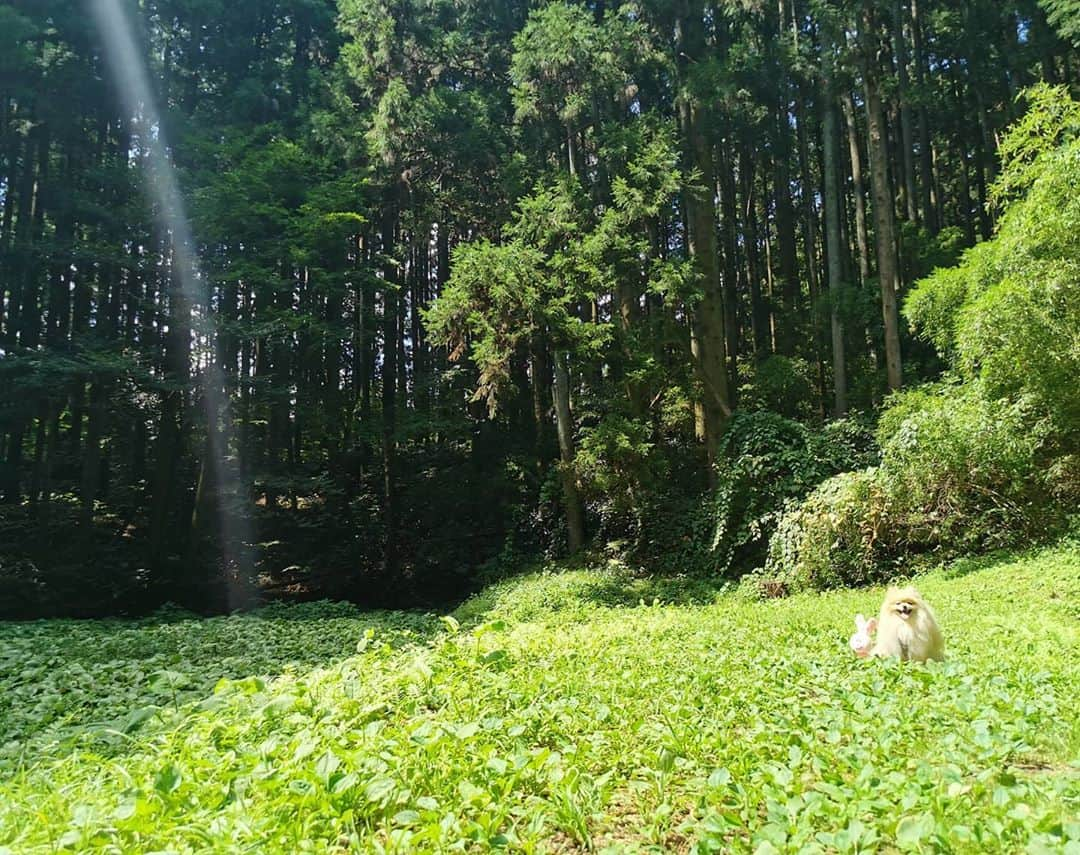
[131, 78]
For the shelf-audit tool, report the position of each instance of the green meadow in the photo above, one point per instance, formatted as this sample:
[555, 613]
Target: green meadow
[556, 712]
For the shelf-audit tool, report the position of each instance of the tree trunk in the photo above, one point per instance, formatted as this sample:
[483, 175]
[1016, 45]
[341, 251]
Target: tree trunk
[834, 250]
[389, 390]
[983, 177]
[907, 138]
[573, 160]
[961, 143]
[626, 296]
[418, 301]
[810, 230]
[759, 314]
[52, 446]
[33, 303]
[168, 449]
[40, 442]
[787, 258]
[862, 239]
[163, 486]
[575, 511]
[708, 333]
[7, 217]
[91, 468]
[540, 381]
[884, 229]
[927, 201]
[730, 277]
[22, 310]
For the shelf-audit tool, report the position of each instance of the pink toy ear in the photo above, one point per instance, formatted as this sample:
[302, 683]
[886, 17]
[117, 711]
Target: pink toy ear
[871, 625]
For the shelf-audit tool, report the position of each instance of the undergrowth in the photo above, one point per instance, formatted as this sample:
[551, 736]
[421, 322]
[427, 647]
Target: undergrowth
[555, 712]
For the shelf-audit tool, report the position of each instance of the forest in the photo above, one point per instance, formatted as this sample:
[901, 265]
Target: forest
[381, 300]
[443, 426]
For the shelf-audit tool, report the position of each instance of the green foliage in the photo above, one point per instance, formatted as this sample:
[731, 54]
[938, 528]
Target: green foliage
[965, 470]
[781, 384]
[1021, 335]
[505, 298]
[831, 539]
[565, 61]
[924, 253]
[612, 463]
[1052, 118]
[555, 711]
[493, 304]
[768, 462]
[959, 472]
[991, 459]
[108, 670]
[529, 172]
[44, 576]
[1009, 315]
[645, 179]
[1065, 16]
[933, 305]
[557, 55]
[555, 594]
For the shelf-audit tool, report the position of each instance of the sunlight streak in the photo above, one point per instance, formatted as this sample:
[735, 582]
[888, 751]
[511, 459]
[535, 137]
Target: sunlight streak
[132, 80]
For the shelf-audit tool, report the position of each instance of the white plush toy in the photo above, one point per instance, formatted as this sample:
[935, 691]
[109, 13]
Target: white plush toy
[861, 641]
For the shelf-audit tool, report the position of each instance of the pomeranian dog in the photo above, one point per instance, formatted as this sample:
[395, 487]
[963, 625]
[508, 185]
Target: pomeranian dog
[907, 628]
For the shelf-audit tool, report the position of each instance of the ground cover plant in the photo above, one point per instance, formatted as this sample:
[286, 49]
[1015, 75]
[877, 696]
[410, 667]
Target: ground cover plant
[555, 712]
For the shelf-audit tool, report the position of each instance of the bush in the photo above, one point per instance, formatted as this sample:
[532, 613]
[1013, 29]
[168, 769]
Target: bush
[44, 569]
[614, 466]
[960, 472]
[934, 303]
[966, 469]
[833, 537]
[923, 253]
[22, 589]
[768, 461]
[781, 384]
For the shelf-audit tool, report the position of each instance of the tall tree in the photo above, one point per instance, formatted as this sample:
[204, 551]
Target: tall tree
[884, 225]
[834, 251]
[708, 326]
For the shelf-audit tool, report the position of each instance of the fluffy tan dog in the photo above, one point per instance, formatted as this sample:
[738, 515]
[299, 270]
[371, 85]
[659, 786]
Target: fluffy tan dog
[907, 628]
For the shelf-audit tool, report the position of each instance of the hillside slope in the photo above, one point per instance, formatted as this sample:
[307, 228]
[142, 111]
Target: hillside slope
[562, 713]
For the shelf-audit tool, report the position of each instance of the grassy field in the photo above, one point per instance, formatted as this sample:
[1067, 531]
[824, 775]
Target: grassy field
[561, 713]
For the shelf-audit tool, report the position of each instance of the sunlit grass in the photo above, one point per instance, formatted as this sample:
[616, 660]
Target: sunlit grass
[559, 712]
